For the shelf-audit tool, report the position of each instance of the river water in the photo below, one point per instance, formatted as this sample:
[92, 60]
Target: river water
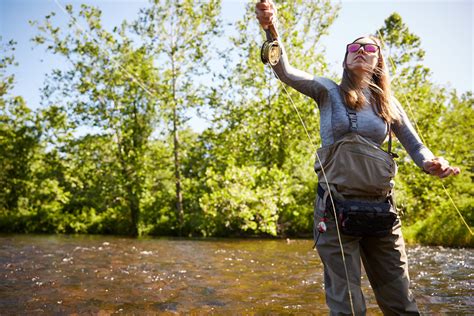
[108, 275]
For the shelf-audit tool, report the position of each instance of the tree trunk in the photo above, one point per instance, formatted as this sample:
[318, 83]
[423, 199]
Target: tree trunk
[176, 145]
[134, 205]
[131, 198]
[177, 174]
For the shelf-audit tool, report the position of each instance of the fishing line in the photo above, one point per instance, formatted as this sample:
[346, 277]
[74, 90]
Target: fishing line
[329, 191]
[423, 139]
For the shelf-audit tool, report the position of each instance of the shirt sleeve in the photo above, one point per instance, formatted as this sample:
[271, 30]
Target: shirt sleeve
[409, 138]
[312, 86]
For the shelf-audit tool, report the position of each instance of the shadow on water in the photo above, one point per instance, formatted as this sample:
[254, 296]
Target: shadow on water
[104, 274]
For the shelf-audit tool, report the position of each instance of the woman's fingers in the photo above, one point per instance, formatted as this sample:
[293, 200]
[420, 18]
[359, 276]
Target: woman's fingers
[265, 16]
[268, 4]
[265, 12]
[263, 5]
[456, 171]
[436, 164]
[436, 169]
[445, 173]
[440, 167]
[440, 163]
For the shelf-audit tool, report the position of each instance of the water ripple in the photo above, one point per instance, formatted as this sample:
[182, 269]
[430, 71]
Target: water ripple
[105, 275]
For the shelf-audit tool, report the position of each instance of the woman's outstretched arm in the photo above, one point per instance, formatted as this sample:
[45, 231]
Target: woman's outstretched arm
[423, 157]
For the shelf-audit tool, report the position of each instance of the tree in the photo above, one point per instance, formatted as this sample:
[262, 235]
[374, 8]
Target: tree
[179, 34]
[19, 141]
[104, 89]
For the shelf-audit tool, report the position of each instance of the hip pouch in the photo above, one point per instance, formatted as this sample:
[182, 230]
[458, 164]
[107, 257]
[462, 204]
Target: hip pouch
[365, 219]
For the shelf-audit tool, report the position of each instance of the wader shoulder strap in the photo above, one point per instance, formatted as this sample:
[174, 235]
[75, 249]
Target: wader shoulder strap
[352, 114]
[389, 139]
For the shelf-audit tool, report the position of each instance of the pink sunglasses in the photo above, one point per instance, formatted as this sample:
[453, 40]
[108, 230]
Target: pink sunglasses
[369, 48]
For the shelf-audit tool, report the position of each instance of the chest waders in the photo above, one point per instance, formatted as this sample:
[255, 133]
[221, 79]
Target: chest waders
[360, 176]
[360, 179]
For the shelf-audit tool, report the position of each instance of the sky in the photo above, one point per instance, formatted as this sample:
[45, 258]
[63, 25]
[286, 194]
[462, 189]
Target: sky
[445, 28]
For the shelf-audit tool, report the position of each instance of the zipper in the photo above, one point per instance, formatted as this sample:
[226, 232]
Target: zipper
[369, 155]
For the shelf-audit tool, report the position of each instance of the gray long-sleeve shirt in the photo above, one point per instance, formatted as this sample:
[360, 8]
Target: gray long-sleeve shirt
[334, 122]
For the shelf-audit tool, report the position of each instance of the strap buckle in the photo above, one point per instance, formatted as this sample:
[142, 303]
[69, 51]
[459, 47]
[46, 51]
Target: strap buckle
[352, 119]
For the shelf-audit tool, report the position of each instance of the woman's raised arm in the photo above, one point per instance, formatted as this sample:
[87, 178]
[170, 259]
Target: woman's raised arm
[301, 81]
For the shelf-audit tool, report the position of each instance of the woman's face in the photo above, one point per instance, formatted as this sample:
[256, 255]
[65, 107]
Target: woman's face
[362, 56]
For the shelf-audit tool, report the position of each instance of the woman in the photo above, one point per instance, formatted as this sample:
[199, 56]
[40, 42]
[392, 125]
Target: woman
[360, 110]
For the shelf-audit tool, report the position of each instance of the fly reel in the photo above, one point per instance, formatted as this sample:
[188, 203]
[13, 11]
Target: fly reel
[271, 49]
[270, 52]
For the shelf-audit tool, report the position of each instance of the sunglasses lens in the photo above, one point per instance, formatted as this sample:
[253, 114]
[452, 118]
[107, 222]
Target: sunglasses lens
[370, 48]
[352, 48]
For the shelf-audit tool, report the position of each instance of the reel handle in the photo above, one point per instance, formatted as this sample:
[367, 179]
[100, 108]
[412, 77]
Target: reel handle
[271, 27]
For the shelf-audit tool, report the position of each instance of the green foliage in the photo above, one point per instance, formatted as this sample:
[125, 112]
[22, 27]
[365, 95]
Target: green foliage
[443, 120]
[242, 199]
[256, 132]
[443, 227]
[110, 151]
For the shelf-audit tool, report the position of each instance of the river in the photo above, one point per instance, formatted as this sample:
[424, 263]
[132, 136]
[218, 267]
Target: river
[107, 275]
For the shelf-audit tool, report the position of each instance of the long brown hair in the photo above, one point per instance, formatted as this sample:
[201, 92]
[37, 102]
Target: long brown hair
[379, 86]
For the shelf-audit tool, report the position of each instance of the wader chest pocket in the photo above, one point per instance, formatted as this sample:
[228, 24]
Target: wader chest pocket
[356, 167]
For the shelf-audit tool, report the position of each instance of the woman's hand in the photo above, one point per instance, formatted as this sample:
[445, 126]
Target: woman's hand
[266, 13]
[440, 167]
